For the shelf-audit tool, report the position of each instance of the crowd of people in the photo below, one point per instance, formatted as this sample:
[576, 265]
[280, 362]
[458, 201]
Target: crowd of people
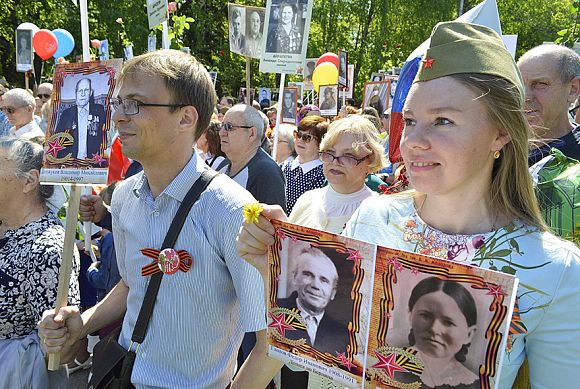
[474, 127]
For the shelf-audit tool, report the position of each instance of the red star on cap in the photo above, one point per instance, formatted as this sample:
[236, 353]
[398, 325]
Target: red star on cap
[344, 361]
[415, 271]
[354, 255]
[388, 364]
[54, 147]
[279, 322]
[495, 291]
[428, 63]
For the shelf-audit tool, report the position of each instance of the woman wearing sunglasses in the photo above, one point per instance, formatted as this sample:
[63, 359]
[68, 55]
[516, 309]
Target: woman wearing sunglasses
[304, 173]
[465, 145]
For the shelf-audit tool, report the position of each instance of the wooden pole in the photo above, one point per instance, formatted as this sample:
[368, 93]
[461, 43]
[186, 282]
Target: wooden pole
[248, 80]
[278, 115]
[66, 261]
[26, 82]
[72, 211]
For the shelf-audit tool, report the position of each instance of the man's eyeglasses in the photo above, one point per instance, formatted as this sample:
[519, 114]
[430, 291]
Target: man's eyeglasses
[229, 127]
[304, 136]
[574, 110]
[44, 95]
[343, 160]
[11, 110]
[131, 107]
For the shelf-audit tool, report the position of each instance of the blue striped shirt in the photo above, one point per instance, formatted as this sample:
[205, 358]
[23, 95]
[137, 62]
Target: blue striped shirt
[200, 316]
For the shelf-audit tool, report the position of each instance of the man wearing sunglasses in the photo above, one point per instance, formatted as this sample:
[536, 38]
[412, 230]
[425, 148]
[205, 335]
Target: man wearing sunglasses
[165, 103]
[551, 76]
[18, 106]
[247, 163]
[44, 92]
[86, 122]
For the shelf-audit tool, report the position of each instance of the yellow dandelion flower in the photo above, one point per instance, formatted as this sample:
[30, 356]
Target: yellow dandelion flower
[252, 212]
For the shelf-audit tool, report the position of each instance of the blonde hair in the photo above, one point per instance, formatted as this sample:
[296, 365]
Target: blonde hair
[187, 81]
[365, 135]
[511, 189]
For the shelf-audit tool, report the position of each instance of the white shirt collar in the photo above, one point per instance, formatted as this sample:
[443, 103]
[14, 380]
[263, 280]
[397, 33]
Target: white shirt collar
[28, 131]
[306, 167]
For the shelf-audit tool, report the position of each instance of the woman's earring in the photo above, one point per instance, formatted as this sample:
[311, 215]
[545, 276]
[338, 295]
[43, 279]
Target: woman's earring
[496, 154]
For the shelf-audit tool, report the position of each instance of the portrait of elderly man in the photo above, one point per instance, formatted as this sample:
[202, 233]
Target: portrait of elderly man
[84, 121]
[316, 280]
[254, 34]
[237, 39]
[286, 37]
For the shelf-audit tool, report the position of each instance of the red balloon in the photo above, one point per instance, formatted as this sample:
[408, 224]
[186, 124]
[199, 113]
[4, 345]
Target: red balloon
[328, 57]
[45, 44]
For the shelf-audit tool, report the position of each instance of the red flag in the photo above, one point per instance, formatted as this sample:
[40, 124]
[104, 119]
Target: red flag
[118, 163]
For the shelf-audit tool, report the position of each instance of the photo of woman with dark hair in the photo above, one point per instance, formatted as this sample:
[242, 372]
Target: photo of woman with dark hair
[443, 317]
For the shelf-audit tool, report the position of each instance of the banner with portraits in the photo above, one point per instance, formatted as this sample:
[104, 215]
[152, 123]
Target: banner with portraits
[80, 125]
[285, 37]
[246, 29]
[365, 315]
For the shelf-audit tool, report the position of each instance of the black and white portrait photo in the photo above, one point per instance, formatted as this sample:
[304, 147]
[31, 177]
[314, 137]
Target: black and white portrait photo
[376, 95]
[254, 31]
[328, 100]
[79, 133]
[377, 77]
[348, 91]
[342, 68]
[289, 105]
[286, 36]
[264, 97]
[318, 285]
[24, 55]
[237, 23]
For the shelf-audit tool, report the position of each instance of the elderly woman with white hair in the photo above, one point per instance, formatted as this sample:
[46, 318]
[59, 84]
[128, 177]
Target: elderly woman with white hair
[30, 257]
[18, 105]
[285, 151]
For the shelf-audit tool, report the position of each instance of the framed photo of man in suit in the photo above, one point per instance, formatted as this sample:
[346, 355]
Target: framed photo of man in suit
[79, 129]
[320, 298]
[289, 105]
[237, 31]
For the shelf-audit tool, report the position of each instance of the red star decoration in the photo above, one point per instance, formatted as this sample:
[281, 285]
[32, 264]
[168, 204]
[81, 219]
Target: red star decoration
[388, 364]
[279, 322]
[98, 159]
[54, 147]
[428, 63]
[415, 271]
[495, 291]
[280, 233]
[354, 255]
[395, 262]
[344, 361]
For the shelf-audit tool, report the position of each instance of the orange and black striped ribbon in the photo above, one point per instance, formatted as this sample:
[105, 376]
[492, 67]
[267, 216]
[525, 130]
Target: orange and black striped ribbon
[185, 261]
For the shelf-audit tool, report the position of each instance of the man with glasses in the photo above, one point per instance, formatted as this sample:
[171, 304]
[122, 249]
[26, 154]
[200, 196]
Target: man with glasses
[44, 92]
[18, 106]
[248, 164]
[165, 103]
[551, 76]
[85, 121]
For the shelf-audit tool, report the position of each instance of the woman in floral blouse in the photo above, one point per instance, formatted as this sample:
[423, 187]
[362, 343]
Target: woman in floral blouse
[465, 147]
[30, 255]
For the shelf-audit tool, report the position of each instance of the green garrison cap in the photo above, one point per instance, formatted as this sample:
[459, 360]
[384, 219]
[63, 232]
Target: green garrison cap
[458, 47]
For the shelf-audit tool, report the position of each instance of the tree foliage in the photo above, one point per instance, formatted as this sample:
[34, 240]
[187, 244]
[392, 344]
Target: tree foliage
[378, 34]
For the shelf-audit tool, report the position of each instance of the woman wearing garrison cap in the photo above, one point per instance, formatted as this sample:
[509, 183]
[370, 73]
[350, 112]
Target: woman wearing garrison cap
[465, 147]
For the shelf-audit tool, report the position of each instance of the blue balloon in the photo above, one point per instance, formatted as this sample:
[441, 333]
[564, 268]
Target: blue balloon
[66, 43]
